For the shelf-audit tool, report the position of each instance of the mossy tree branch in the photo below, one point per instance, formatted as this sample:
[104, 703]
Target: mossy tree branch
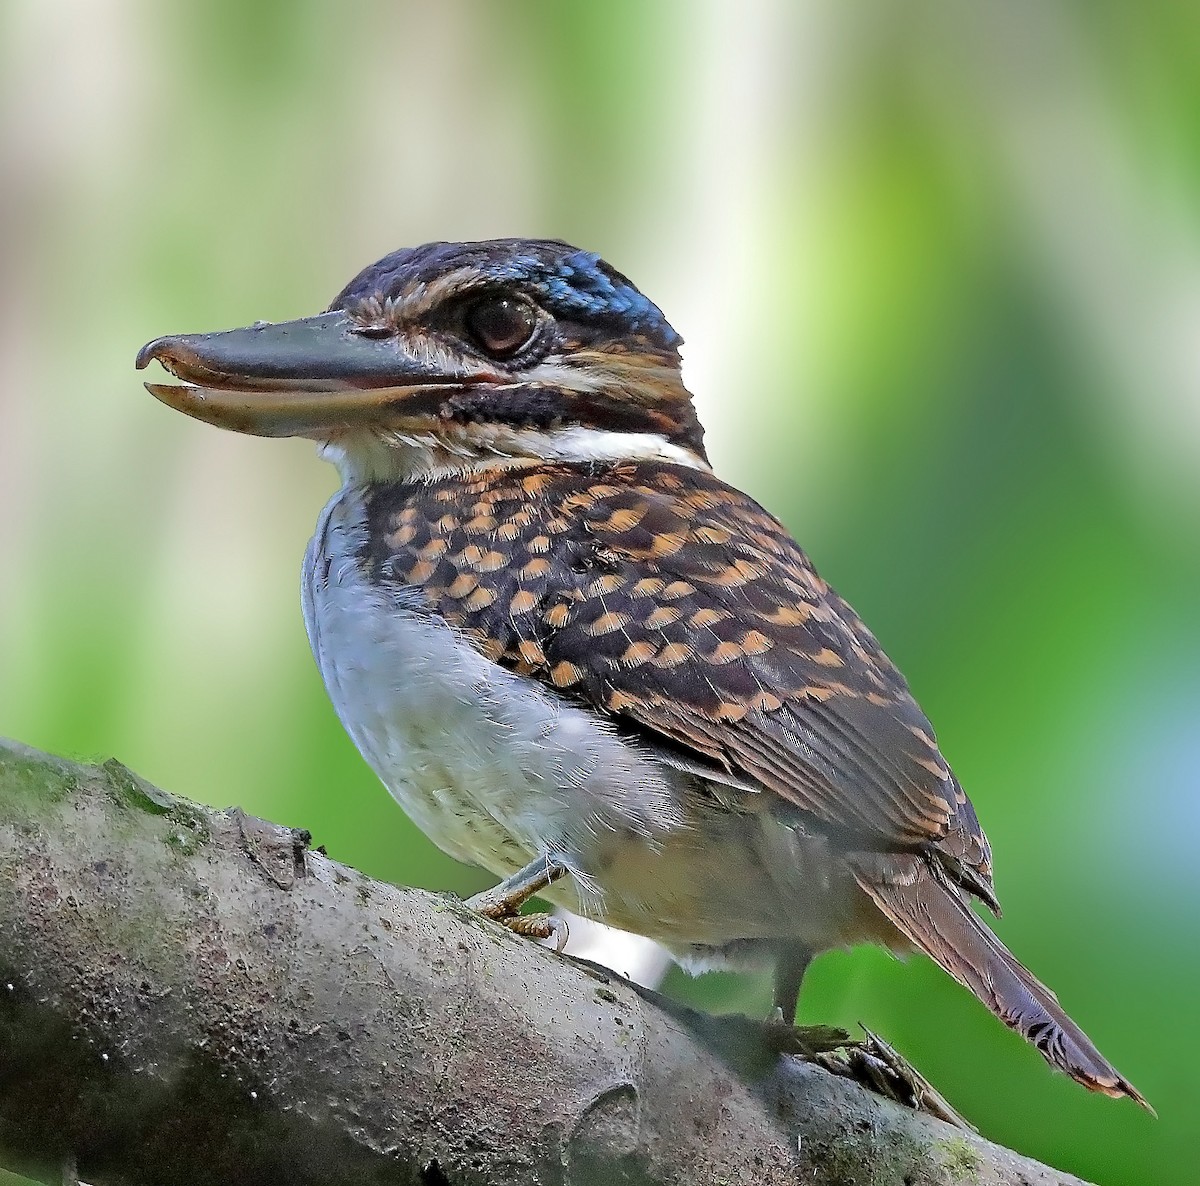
[192, 996]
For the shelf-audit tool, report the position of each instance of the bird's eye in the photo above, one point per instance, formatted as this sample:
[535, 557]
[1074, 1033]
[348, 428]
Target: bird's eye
[500, 326]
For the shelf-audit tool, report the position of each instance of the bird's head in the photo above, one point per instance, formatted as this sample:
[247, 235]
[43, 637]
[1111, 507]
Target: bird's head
[451, 356]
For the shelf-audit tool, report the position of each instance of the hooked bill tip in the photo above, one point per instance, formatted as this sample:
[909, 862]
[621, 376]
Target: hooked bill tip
[148, 353]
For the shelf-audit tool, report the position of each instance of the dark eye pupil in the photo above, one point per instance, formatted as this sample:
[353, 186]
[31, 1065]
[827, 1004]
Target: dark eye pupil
[501, 326]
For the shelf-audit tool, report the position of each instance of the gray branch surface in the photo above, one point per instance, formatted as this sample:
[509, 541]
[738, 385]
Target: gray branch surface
[193, 996]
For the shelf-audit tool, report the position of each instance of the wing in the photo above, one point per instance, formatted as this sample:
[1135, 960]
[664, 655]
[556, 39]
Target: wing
[659, 595]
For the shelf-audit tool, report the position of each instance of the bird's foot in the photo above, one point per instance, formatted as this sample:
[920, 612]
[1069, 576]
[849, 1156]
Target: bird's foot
[538, 926]
[502, 903]
[879, 1067]
[807, 1041]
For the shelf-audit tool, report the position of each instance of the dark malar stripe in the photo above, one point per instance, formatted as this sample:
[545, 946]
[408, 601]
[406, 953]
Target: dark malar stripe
[544, 407]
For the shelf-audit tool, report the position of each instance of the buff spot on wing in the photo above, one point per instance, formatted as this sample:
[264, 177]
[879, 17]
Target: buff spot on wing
[603, 585]
[828, 658]
[531, 653]
[666, 543]
[619, 701]
[649, 587]
[435, 549]
[708, 617]
[673, 654]
[564, 674]
[767, 702]
[539, 544]
[421, 572]
[663, 615]
[766, 541]
[623, 519]
[539, 566]
[731, 712]
[480, 599]
[734, 576]
[712, 535]
[754, 642]
[725, 652]
[608, 623]
[558, 615]
[935, 768]
[788, 615]
[579, 502]
[462, 585]
[677, 589]
[522, 602]
[638, 653]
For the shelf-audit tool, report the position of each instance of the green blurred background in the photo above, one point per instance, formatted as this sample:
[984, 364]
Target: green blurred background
[938, 270]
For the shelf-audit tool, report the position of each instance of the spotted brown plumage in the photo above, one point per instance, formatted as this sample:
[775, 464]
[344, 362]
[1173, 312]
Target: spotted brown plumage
[565, 645]
[671, 601]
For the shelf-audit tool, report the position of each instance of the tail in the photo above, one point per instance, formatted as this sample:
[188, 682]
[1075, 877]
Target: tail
[938, 919]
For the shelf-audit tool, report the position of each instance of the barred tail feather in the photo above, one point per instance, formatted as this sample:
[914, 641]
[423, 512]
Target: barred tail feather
[939, 920]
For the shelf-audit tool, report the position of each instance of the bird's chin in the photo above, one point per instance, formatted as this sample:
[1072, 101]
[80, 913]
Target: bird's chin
[402, 452]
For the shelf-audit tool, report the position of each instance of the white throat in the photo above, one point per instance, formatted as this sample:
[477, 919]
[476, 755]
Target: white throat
[380, 455]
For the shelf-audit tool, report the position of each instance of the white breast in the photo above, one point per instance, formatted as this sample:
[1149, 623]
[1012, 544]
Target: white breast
[491, 767]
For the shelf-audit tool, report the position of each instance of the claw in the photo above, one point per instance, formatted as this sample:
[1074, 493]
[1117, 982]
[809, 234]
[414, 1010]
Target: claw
[539, 926]
[879, 1067]
[503, 902]
[904, 1082]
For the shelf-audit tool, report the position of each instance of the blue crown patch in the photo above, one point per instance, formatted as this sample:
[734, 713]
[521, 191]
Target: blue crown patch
[582, 284]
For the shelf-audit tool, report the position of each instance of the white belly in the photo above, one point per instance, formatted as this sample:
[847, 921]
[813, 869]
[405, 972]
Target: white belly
[492, 768]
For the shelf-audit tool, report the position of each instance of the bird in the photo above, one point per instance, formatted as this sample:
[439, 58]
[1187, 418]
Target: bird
[581, 660]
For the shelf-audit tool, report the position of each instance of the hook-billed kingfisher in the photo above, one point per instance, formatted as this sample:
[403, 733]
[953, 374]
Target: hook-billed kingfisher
[579, 658]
